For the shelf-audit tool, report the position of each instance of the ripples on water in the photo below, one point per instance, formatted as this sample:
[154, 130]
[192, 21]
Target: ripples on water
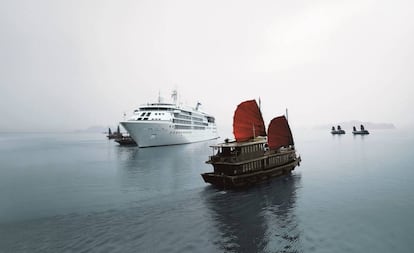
[80, 193]
[206, 220]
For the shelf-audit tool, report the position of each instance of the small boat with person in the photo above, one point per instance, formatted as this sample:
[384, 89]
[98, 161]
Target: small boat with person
[254, 155]
[363, 131]
[338, 130]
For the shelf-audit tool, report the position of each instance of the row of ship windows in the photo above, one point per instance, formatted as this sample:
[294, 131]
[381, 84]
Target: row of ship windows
[178, 115]
[252, 148]
[180, 121]
[188, 122]
[189, 127]
[147, 114]
[180, 132]
[251, 166]
[278, 159]
[176, 127]
[200, 123]
[197, 119]
[146, 118]
[154, 109]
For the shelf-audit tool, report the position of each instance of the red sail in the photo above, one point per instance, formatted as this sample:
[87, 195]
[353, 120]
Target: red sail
[248, 121]
[279, 133]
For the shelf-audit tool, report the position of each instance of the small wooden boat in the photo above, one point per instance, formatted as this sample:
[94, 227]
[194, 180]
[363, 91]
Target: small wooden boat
[339, 130]
[361, 132]
[252, 157]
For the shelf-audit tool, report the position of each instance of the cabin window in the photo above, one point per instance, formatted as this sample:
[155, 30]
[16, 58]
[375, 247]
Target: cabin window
[148, 114]
[226, 151]
[139, 119]
[142, 114]
[238, 150]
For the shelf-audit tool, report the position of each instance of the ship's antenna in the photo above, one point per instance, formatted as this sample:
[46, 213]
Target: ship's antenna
[174, 96]
[198, 105]
[159, 96]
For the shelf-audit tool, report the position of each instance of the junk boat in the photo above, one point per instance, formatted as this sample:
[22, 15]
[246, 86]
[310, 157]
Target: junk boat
[361, 132]
[115, 135]
[252, 157]
[338, 130]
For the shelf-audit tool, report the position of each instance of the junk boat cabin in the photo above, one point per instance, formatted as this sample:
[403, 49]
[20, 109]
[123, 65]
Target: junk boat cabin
[250, 159]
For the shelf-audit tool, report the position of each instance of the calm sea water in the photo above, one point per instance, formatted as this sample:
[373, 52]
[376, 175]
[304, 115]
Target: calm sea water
[83, 193]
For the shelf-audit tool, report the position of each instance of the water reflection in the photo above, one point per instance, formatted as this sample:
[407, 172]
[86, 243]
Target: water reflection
[164, 168]
[261, 219]
[359, 136]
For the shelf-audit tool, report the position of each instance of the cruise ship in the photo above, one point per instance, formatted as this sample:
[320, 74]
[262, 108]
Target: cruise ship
[161, 124]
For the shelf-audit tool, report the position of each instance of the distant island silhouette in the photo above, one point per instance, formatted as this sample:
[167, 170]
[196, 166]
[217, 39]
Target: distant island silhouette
[94, 129]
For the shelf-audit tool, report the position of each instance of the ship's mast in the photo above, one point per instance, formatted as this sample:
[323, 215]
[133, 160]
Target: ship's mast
[174, 96]
[254, 132]
[287, 116]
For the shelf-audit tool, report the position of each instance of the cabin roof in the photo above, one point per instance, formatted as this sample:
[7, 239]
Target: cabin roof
[257, 140]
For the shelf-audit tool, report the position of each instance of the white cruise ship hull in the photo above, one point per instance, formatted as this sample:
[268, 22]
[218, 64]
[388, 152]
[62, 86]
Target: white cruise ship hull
[162, 133]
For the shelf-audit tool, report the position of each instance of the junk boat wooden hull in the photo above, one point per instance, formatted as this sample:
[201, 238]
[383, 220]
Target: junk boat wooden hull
[126, 141]
[361, 132]
[247, 179]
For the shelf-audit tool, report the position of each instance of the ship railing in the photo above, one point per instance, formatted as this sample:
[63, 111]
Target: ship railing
[216, 158]
[234, 158]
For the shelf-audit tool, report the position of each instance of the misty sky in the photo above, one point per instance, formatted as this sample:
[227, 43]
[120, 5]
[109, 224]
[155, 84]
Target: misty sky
[68, 65]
